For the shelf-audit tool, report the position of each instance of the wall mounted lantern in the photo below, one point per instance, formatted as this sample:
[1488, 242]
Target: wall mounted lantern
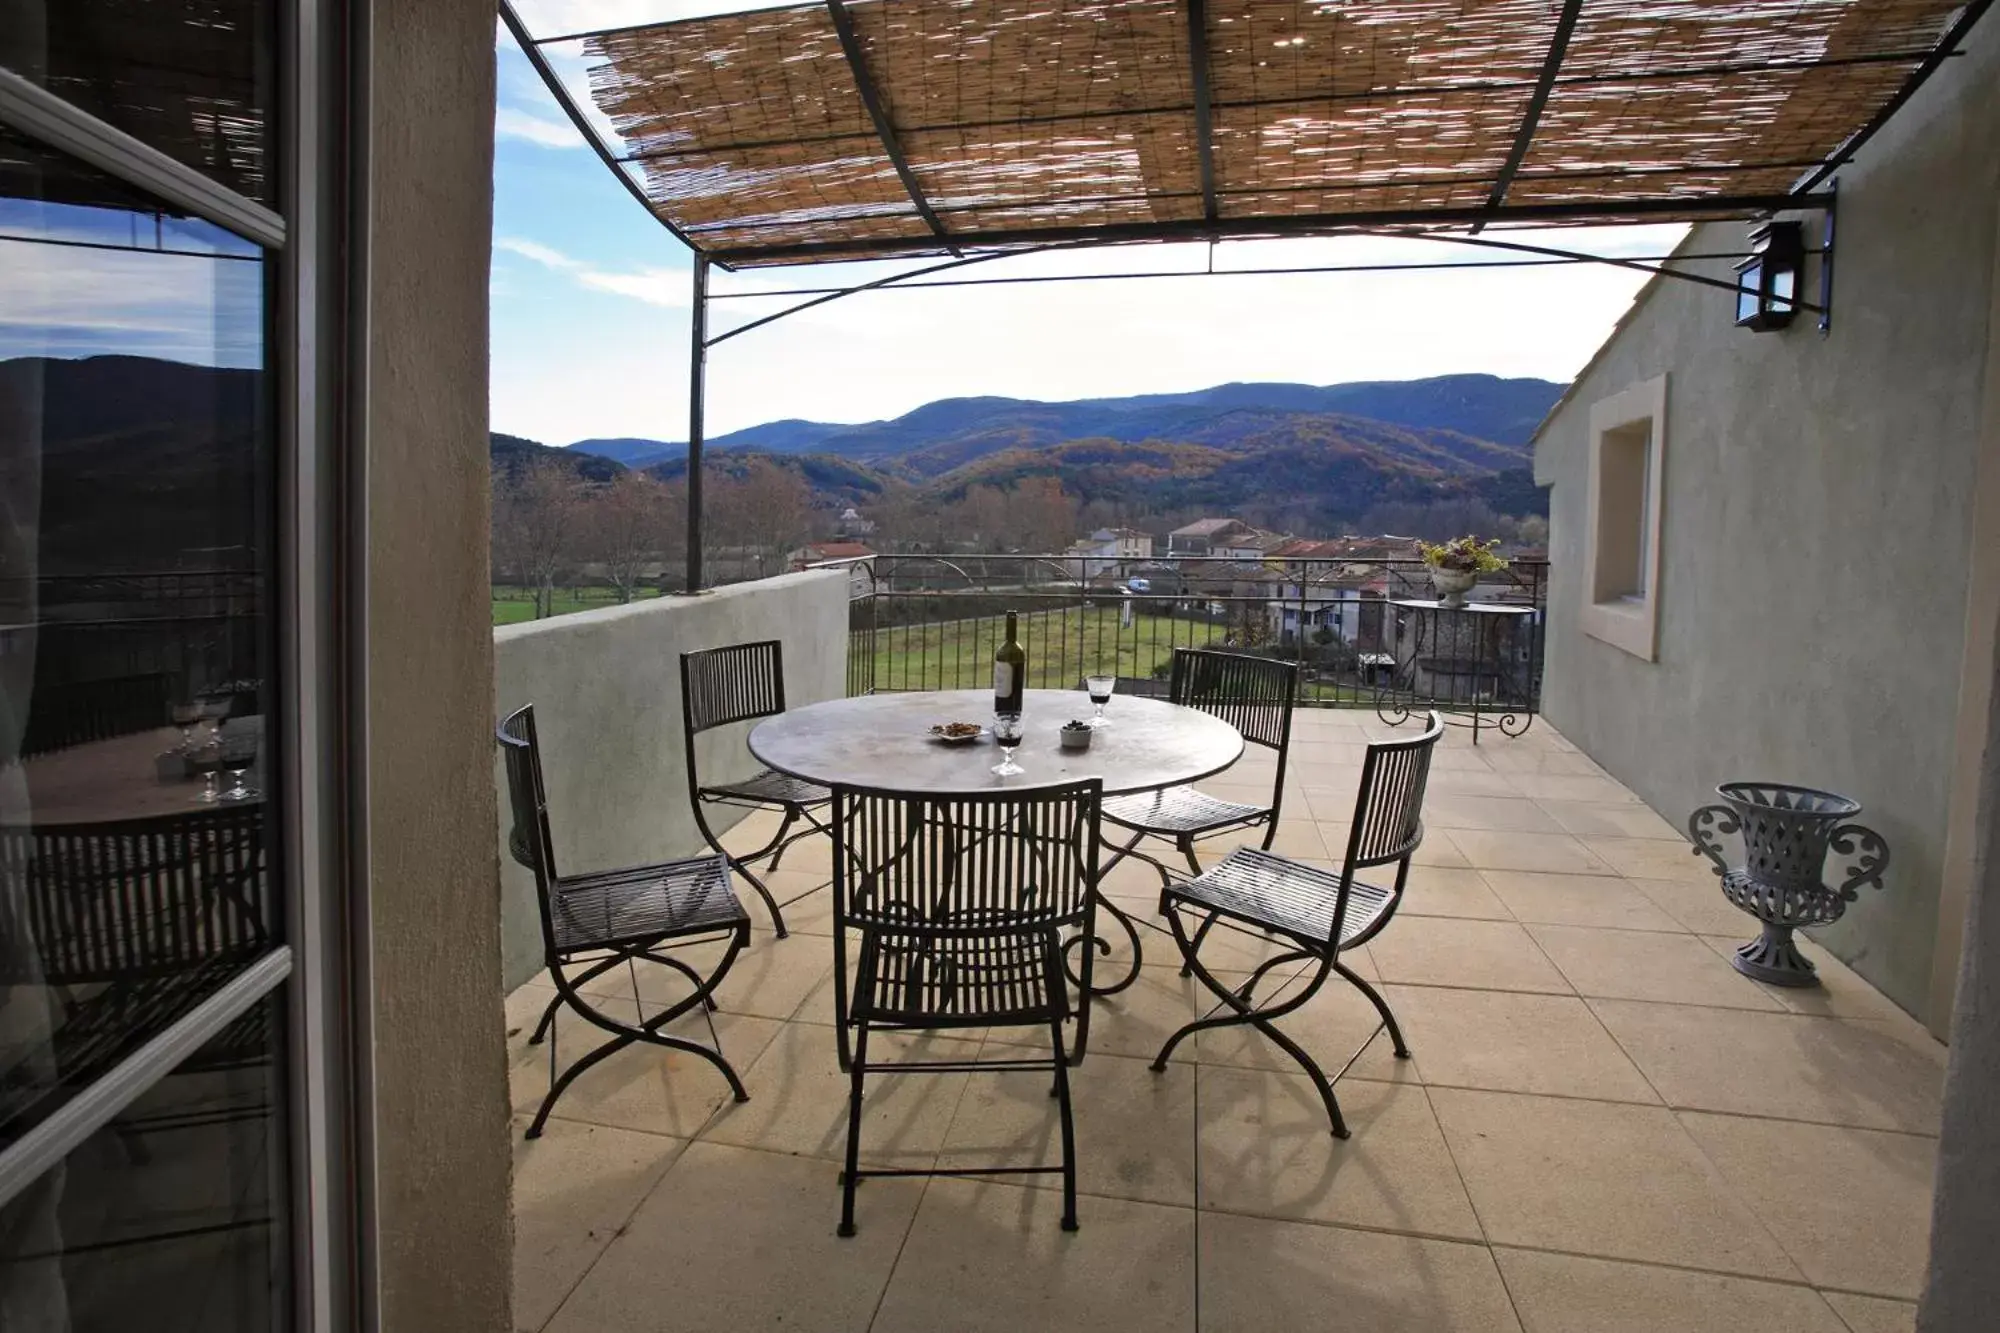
[1767, 283]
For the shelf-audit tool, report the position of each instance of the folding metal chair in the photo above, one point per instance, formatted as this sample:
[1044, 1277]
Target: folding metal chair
[1319, 914]
[594, 922]
[962, 906]
[720, 686]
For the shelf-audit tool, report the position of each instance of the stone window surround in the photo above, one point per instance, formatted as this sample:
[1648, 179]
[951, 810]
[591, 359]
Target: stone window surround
[1626, 621]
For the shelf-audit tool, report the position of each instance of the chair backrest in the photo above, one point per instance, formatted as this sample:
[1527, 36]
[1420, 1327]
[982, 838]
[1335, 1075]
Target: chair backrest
[1252, 694]
[1389, 807]
[732, 684]
[996, 864]
[139, 898]
[528, 837]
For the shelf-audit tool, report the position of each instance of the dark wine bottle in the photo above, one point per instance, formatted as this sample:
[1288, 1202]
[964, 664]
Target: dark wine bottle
[1010, 670]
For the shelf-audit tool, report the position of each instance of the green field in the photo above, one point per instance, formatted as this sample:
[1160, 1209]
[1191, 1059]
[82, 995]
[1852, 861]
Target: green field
[1062, 647]
[512, 605]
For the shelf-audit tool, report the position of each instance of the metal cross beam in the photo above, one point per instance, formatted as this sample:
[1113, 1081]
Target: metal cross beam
[1204, 138]
[857, 64]
[1531, 119]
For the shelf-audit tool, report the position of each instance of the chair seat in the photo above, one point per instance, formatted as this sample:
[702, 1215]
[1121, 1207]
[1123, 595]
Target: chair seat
[1264, 889]
[613, 907]
[947, 981]
[1179, 810]
[769, 788]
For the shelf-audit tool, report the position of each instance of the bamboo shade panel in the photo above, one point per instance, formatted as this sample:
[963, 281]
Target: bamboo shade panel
[752, 133]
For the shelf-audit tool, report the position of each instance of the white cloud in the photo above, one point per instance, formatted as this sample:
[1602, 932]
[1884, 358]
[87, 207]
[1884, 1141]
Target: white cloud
[655, 286]
[512, 124]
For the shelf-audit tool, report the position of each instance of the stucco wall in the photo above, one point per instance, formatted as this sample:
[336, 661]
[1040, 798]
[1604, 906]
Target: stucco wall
[606, 690]
[440, 1133]
[1816, 526]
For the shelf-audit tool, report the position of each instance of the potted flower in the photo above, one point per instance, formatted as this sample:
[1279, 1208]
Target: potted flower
[1457, 564]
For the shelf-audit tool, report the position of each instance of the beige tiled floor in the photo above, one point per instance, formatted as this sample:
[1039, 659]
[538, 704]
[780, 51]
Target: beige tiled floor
[1604, 1127]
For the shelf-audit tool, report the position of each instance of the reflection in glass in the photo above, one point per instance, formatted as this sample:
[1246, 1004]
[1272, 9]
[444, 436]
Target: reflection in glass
[171, 1219]
[191, 78]
[137, 487]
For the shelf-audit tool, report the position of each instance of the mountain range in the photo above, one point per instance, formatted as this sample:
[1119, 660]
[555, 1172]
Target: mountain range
[1312, 456]
[1455, 423]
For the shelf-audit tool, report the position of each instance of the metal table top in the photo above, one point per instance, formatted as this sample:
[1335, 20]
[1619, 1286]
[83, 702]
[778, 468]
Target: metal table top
[883, 741]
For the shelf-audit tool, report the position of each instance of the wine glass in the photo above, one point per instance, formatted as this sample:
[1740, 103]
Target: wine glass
[1101, 689]
[236, 760]
[206, 759]
[185, 716]
[1007, 731]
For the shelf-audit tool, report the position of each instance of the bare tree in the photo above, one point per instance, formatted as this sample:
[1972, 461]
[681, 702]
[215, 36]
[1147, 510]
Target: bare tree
[629, 525]
[766, 509]
[535, 526]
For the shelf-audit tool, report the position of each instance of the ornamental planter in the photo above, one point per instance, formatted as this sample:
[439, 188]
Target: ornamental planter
[1786, 833]
[1451, 585]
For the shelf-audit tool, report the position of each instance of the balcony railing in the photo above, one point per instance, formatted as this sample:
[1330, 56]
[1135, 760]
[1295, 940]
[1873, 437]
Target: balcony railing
[929, 622]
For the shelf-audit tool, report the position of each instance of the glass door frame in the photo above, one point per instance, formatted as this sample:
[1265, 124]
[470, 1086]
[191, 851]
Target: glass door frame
[315, 243]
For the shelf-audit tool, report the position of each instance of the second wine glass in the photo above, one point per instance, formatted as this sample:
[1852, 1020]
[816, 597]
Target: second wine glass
[1007, 730]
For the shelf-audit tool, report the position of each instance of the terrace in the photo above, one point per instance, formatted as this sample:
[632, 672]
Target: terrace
[1602, 1126]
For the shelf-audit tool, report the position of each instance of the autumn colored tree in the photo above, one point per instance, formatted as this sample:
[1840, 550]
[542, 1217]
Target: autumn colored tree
[766, 508]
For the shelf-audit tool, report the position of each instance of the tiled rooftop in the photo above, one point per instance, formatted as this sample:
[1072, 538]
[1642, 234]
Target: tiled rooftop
[1603, 1128]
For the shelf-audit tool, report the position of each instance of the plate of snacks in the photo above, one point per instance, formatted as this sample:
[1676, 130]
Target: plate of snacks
[956, 733]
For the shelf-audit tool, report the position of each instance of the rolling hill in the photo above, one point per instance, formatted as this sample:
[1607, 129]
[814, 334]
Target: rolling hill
[1463, 416]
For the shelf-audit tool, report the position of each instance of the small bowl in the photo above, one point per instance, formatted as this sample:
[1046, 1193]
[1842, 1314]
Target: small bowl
[1075, 736]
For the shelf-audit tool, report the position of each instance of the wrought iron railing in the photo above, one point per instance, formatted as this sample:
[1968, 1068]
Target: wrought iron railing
[1358, 627]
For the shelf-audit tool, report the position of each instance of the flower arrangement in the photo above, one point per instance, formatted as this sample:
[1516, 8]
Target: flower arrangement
[1466, 555]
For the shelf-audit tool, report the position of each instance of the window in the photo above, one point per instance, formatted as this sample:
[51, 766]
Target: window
[1622, 532]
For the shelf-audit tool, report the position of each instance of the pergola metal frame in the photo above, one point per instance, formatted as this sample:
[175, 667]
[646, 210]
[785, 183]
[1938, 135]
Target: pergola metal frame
[1811, 192]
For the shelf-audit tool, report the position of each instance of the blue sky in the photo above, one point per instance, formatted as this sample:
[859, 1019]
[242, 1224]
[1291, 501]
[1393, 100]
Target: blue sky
[590, 305]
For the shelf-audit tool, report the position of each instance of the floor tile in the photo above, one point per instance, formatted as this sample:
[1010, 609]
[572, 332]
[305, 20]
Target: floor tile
[1611, 819]
[1873, 1314]
[1444, 951]
[1621, 1182]
[1566, 1293]
[1541, 760]
[1648, 965]
[1440, 891]
[732, 1238]
[1698, 905]
[798, 1099]
[1508, 814]
[1134, 1128]
[1136, 1021]
[988, 1255]
[1266, 1149]
[1851, 1206]
[1582, 788]
[1577, 900]
[1654, 858]
[1471, 782]
[1513, 1042]
[1783, 1065]
[772, 978]
[1296, 836]
[1262, 1274]
[1549, 853]
[574, 1188]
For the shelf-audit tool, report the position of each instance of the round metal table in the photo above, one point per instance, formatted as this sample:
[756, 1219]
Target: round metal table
[882, 742]
[1455, 654]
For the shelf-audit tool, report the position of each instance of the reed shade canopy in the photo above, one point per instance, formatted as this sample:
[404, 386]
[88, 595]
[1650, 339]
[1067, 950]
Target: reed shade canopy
[859, 128]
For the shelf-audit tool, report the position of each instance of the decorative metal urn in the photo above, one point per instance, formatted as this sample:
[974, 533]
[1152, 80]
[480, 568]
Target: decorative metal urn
[1787, 832]
[1451, 585]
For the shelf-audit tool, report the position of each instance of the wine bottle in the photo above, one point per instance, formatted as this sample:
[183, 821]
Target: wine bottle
[1010, 669]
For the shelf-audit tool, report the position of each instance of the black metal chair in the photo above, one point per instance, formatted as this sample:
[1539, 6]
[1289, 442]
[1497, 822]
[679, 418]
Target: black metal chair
[1319, 914]
[739, 683]
[594, 922]
[962, 905]
[1252, 694]
[132, 923]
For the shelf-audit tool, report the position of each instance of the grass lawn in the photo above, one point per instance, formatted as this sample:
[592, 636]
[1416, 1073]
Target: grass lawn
[1062, 647]
[512, 605]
